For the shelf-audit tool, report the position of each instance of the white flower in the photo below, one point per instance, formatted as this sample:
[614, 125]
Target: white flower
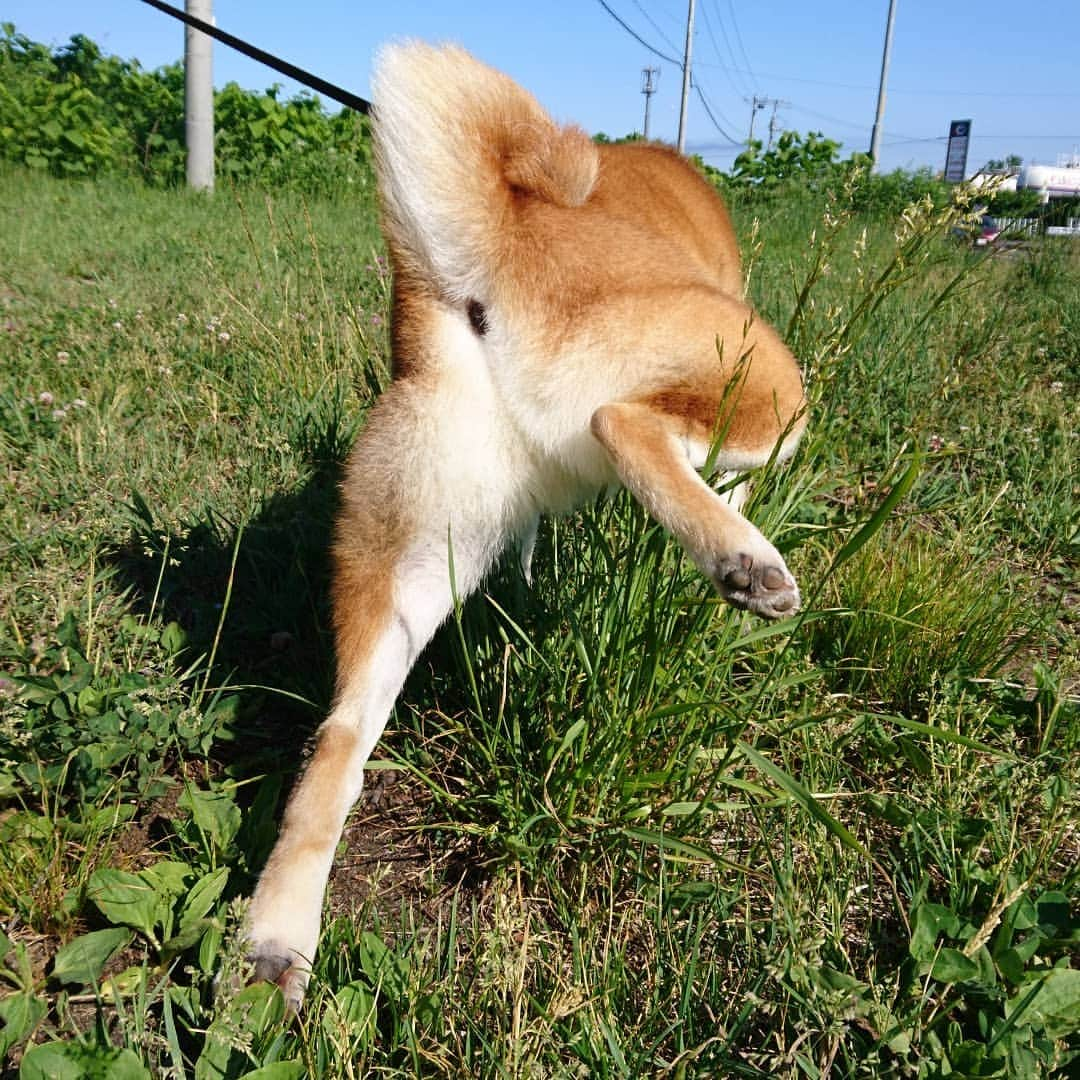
[62, 357]
[223, 336]
[45, 398]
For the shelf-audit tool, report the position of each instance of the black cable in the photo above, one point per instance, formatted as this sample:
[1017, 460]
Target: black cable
[321, 86]
[634, 34]
[709, 112]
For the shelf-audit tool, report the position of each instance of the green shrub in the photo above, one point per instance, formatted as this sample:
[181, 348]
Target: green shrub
[1018, 204]
[804, 159]
[886, 194]
[77, 112]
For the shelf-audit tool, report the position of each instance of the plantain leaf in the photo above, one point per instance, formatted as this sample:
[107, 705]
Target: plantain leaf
[81, 961]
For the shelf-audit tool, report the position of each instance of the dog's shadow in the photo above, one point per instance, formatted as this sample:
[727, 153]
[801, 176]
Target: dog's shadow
[254, 607]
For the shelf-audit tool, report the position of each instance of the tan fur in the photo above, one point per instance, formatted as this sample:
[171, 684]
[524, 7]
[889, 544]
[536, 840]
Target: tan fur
[566, 316]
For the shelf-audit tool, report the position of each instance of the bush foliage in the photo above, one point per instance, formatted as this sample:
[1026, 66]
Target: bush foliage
[813, 161]
[75, 112]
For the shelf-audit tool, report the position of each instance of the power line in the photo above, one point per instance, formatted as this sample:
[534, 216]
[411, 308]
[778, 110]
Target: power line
[653, 23]
[726, 68]
[741, 72]
[709, 112]
[738, 38]
[830, 119]
[944, 92]
[636, 36]
[979, 135]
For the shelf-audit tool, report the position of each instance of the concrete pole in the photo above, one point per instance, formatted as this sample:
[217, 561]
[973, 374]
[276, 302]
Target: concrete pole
[755, 104]
[199, 98]
[686, 77]
[648, 88]
[875, 137]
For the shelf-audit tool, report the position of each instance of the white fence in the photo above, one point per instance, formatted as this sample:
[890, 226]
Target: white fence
[1070, 228]
[1015, 226]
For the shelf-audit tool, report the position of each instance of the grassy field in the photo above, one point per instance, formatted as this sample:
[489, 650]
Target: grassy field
[615, 828]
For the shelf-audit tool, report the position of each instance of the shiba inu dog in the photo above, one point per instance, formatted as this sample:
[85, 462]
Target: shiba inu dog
[567, 316]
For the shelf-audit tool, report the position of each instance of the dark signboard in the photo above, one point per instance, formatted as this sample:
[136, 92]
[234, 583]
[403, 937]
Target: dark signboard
[956, 158]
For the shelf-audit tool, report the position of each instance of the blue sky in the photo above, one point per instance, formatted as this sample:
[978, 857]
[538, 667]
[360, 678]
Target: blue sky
[1011, 70]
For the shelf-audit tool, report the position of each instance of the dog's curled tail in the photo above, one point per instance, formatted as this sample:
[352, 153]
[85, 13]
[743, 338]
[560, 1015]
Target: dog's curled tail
[457, 144]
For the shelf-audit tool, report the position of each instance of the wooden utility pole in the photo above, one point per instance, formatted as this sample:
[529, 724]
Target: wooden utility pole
[199, 98]
[755, 104]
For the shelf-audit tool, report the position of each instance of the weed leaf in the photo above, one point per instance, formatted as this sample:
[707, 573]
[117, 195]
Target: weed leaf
[20, 1014]
[880, 516]
[1054, 1007]
[952, 966]
[278, 1070]
[946, 736]
[203, 896]
[74, 1061]
[81, 961]
[125, 899]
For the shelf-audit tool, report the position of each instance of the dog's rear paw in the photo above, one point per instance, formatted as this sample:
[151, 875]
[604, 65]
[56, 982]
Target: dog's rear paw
[274, 963]
[762, 585]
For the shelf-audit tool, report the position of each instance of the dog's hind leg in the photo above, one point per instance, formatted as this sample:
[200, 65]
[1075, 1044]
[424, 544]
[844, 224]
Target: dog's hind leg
[652, 454]
[378, 640]
[411, 504]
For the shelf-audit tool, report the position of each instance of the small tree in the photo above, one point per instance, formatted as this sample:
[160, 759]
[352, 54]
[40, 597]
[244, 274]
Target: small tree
[794, 157]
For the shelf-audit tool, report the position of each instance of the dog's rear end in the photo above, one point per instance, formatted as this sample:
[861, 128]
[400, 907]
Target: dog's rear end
[566, 316]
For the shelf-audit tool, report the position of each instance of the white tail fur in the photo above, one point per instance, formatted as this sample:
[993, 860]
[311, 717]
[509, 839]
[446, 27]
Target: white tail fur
[453, 140]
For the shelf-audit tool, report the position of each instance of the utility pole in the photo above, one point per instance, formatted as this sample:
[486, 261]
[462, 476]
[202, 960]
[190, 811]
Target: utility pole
[755, 104]
[199, 98]
[686, 77]
[875, 138]
[776, 104]
[648, 88]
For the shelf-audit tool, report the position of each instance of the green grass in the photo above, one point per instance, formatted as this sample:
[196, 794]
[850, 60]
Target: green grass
[615, 828]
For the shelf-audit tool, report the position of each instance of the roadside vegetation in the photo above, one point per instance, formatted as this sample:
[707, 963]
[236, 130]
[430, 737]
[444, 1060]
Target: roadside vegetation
[615, 828]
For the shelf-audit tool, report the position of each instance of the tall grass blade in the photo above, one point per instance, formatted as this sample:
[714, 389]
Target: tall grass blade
[877, 520]
[803, 797]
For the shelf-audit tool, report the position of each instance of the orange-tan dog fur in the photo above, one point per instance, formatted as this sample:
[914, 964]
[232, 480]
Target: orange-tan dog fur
[567, 316]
